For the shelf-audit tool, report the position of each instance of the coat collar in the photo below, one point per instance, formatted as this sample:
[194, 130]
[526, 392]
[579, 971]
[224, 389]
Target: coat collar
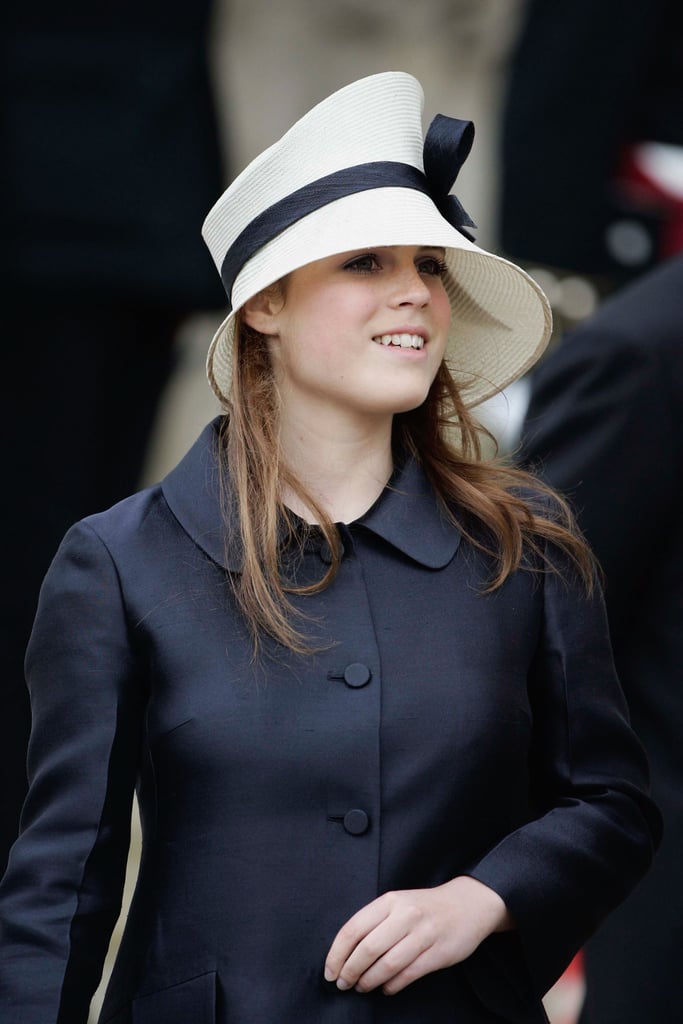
[407, 514]
[192, 491]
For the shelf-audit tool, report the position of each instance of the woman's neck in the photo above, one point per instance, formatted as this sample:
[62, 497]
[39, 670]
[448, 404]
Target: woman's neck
[344, 466]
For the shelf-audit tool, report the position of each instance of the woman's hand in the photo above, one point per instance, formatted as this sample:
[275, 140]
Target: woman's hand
[402, 936]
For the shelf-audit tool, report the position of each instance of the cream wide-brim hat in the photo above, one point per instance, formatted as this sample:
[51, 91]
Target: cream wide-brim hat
[501, 320]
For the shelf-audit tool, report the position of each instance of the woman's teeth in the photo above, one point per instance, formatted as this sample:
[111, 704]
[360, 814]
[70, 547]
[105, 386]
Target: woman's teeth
[400, 340]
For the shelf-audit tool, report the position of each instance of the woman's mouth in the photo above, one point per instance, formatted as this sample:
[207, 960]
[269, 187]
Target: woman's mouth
[403, 340]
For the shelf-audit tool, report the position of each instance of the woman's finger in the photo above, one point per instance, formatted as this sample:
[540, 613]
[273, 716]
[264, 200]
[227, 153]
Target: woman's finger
[352, 933]
[394, 963]
[417, 968]
[372, 950]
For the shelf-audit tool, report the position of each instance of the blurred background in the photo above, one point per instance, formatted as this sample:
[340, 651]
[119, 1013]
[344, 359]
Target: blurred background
[124, 121]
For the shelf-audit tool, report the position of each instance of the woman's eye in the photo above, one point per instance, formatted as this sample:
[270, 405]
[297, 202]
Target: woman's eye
[364, 264]
[432, 266]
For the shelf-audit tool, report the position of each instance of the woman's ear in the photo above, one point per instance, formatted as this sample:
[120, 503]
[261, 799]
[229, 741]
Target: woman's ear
[260, 312]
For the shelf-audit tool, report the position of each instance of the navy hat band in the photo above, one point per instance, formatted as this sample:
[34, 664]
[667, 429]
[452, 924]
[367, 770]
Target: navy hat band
[446, 146]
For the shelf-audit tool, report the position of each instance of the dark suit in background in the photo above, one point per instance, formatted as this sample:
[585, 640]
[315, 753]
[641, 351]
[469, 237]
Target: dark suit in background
[606, 425]
[110, 162]
[586, 80]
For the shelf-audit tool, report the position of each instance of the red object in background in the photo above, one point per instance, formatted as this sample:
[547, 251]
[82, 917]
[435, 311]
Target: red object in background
[642, 191]
[575, 969]
[563, 1002]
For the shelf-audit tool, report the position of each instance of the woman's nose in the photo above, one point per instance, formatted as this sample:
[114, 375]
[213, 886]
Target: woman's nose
[410, 288]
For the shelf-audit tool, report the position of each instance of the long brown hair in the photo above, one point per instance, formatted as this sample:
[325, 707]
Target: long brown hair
[501, 509]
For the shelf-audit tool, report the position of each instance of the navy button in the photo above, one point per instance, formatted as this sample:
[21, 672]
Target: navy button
[357, 674]
[326, 552]
[356, 822]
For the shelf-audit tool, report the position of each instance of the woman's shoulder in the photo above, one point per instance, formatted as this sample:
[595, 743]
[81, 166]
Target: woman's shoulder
[127, 517]
[129, 537]
[541, 500]
[188, 497]
[501, 487]
[522, 523]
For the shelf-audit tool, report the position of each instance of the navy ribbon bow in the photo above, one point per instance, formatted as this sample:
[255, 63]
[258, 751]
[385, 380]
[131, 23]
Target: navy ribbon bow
[446, 147]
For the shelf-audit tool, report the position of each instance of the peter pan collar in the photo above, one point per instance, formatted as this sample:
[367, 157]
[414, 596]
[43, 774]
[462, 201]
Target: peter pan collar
[407, 514]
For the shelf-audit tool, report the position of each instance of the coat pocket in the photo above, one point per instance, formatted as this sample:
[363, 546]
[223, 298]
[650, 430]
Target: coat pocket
[189, 1001]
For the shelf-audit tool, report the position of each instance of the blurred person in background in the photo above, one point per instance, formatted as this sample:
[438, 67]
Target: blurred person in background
[592, 141]
[605, 425]
[110, 158]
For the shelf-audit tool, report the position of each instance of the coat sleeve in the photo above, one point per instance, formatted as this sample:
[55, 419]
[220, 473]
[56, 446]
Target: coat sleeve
[62, 892]
[595, 829]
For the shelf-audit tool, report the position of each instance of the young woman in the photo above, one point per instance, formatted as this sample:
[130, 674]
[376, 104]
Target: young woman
[360, 677]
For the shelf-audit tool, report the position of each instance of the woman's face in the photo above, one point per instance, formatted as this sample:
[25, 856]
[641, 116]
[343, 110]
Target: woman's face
[362, 333]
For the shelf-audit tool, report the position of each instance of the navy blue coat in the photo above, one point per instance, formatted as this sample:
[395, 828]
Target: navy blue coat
[442, 731]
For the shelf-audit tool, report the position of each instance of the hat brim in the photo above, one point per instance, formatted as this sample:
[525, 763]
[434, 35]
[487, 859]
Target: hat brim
[500, 318]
